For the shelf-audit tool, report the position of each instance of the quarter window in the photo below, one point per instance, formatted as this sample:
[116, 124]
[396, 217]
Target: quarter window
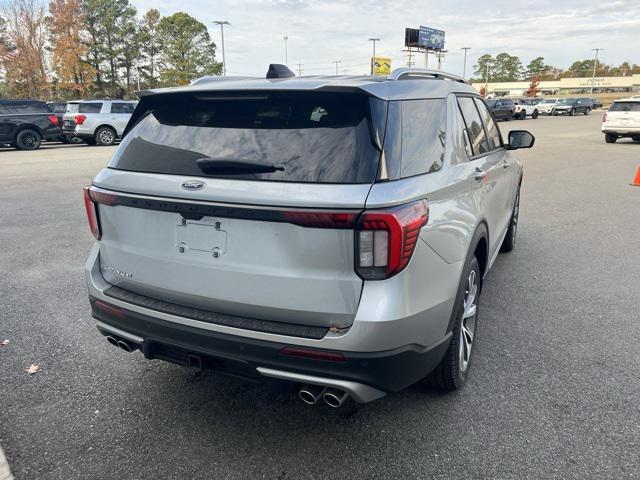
[89, 107]
[477, 135]
[122, 108]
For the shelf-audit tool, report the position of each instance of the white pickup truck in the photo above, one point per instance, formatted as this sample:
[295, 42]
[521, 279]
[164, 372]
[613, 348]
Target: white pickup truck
[525, 108]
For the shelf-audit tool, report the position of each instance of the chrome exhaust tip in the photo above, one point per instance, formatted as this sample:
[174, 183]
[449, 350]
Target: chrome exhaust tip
[334, 398]
[113, 341]
[310, 394]
[127, 346]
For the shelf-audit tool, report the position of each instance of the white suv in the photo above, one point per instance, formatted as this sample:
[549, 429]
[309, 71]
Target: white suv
[97, 122]
[622, 120]
[547, 106]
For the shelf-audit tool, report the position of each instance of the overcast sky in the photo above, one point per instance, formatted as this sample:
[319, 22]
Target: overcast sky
[321, 31]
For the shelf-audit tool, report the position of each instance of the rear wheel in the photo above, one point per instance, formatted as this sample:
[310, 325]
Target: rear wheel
[535, 114]
[105, 136]
[453, 370]
[509, 241]
[28, 139]
[610, 138]
[587, 111]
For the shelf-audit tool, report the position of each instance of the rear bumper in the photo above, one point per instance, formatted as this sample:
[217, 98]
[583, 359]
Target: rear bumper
[365, 375]
[622, 131]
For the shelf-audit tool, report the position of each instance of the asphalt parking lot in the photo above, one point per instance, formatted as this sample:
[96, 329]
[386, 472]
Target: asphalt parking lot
[554, 391]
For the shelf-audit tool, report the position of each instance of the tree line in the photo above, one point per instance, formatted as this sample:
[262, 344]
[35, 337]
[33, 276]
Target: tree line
[97, 48]
[509, 68]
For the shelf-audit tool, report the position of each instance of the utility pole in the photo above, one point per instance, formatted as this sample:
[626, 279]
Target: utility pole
[299, 69]
[595, 64]
[374, 40]
[439, 56]
[222, 23]
[464, 68]
[337, 62]
[426, 59]
[286, 55]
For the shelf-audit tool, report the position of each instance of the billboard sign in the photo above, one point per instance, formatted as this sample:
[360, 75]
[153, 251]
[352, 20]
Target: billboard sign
[381, 66]
[411, 36]
[431, 38]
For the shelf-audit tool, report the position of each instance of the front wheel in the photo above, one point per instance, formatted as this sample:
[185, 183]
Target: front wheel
[572, 112]
[535, 114]
[610, 138]
[509, 241]
[587, 111]
[451, 373]
[523, 115]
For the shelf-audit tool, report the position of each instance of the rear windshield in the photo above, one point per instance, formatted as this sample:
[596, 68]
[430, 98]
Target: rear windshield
[318, 137]
[625, 107]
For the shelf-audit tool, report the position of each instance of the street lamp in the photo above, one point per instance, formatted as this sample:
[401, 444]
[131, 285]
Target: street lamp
[595, 64]
[464, 68]
[222, 23]
[374, 40]
[286, 56]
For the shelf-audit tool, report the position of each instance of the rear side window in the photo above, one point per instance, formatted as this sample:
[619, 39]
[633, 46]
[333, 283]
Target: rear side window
[479, 143]
[89, 107]
[122, 108]
[22, 107]
[492, 128]
[625, 107]
[317, 137]
[423, 136]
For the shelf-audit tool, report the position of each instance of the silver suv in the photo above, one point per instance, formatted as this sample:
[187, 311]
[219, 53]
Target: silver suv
[329, 231]
[97, 122]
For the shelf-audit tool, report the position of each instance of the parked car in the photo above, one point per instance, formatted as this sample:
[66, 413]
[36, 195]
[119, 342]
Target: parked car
[524, 108]
[622, 120]
[58, 109]
[251, 229]
[573, 106]
[534, 101]
[596, 103]
[25, 123]
[502, 109]
[547, 106]
[97, 122]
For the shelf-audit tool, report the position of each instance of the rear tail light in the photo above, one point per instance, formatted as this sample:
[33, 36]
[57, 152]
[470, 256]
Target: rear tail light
[53, 119]
[604, 117]
[110, 309]
[80, 119]
[386, 239]
[92, 214]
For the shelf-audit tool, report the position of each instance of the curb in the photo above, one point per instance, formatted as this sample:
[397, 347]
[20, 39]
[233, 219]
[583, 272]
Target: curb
[5, 473]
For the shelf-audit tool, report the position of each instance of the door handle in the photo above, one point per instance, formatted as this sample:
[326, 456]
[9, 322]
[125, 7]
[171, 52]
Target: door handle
[479, 174]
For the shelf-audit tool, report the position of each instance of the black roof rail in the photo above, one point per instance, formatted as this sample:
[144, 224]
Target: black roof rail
[418, 73]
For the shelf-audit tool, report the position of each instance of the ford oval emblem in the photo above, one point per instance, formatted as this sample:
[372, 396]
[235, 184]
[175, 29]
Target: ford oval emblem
[193, 185]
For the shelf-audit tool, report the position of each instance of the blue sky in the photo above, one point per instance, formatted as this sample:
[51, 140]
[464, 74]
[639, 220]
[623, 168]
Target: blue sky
[321, 31]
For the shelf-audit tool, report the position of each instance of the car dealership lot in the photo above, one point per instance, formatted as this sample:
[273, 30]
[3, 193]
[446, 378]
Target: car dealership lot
[553, 392]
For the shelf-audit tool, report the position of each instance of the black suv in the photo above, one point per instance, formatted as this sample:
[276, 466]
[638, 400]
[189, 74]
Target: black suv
[572, 106]
[502, 109]
[25, 123]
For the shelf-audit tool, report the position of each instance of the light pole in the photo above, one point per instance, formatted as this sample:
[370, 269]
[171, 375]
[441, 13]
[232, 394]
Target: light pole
[286, 55]
[222, 23]
[374, 40]
[595, 64]
[464, 68]
[337, 62]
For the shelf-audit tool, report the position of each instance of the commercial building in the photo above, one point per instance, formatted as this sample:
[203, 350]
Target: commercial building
[565, 86]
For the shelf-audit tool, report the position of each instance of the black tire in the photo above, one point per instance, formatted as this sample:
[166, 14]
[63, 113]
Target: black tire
[636, 139]
[452, 372]
[63, 139]
[105, 136]
[535, 114]
[587, 111]
[28, 139]
[509, 241]
[523, 115]
[610, 138]
[572, 112]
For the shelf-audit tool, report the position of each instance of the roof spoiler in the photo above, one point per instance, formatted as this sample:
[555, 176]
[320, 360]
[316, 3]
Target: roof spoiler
[277, 70]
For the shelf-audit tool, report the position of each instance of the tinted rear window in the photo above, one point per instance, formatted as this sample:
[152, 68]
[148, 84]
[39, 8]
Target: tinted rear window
[22, 107]
[118, 107]
[89, 107]
[625, 107]
[318, 137]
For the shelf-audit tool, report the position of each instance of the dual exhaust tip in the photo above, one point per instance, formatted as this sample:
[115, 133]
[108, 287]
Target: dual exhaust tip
[125, 345]
[311, 394]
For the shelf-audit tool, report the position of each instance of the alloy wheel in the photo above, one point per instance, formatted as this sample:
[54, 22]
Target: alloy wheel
[106, 136]
[468, 322]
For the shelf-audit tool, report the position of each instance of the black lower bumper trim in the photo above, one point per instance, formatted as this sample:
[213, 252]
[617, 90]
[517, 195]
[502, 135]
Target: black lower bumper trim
[389, 371]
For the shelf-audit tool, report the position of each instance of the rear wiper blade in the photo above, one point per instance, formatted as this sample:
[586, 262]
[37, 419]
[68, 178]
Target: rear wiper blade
[232, 166]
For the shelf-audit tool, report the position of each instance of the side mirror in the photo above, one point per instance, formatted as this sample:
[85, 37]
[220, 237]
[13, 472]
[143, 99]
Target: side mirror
[520, 139]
